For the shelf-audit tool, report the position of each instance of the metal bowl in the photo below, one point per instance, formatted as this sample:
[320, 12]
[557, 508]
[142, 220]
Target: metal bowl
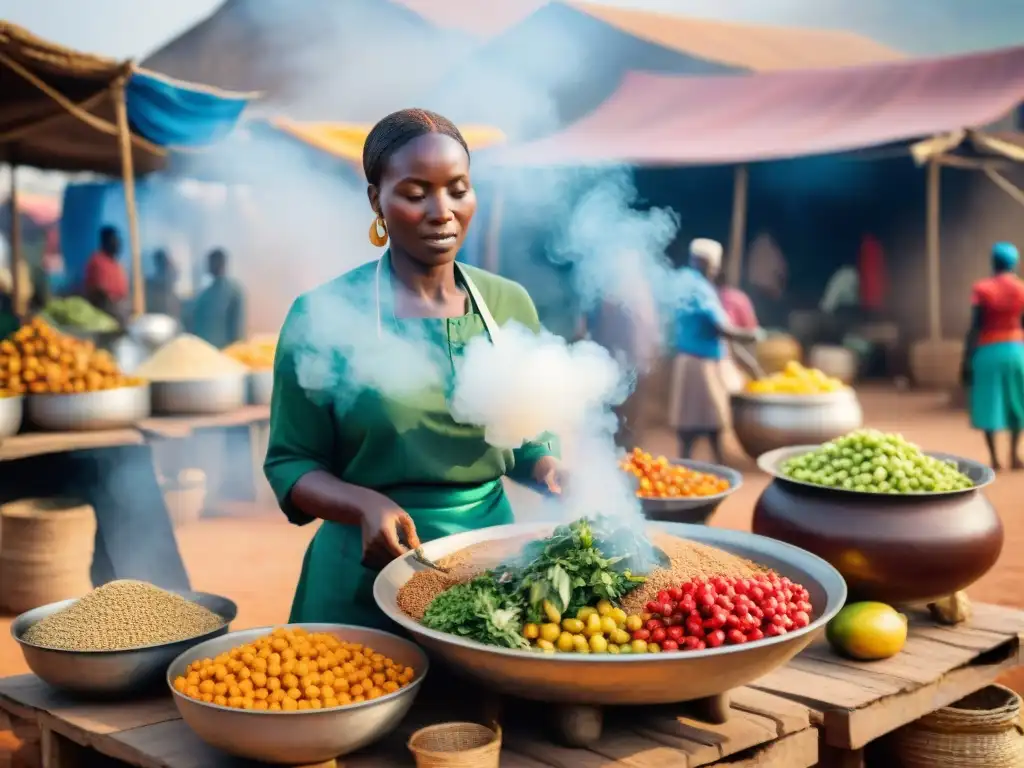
[196, 397]
[153, 330]
[606, 679]
[12, 410]
[307, 737]
[894, 548]
[261, 387]
[86, 411]
[763, 423]
[111, 674]
[696, 509]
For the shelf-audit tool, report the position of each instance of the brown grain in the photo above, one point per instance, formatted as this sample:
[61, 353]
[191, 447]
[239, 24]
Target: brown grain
[689, 560]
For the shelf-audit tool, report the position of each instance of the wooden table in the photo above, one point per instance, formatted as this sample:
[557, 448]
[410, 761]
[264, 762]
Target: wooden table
[765, 731]
[155, 428]
[855, 704]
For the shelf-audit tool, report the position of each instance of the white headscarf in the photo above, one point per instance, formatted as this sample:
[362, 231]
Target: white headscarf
[708, 251]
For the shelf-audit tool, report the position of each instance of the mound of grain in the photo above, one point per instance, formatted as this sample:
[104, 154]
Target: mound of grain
[689, 560]
[189, 358]
[122, 615]
[465, 565]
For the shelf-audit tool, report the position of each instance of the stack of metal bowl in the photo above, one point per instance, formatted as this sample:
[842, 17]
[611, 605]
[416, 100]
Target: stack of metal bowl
[764, 422]
[306, 736]
[890, 547]
[574, 680]
[11, 413]
[88, 411]
[692, 509]
[198, 397]
[111, 674]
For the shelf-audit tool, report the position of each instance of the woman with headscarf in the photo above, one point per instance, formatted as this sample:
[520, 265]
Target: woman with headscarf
[699, 404]
[387, 470]
[993, 362]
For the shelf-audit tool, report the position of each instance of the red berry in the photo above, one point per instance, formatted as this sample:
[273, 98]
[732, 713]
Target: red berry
[691, 643]
[803, 605]
[774, 630]
[675, 593]
[716, 638]
[735, 637]
[694, 627]
[757, 593]
[669, 645]
[801, 619]
[755, 634]
[653, 607]
[666, 609]
[642, 634]
[689, 588]
[654, 624]
[675, 632]
[663, 596]
[658, 636]
[706, 599]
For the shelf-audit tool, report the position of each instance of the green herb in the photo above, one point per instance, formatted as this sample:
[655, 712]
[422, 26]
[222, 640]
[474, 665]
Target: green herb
[479, 610]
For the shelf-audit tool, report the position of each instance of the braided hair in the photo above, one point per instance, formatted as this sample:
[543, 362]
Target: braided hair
[398, 129]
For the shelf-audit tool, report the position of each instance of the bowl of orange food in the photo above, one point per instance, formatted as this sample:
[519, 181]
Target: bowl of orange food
[297, 694]
[679, 490]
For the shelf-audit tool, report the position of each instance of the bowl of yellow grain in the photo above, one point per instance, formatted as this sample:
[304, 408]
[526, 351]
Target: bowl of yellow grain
[117, 641]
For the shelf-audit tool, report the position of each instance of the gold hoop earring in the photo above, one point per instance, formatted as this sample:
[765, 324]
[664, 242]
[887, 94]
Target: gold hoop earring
[379, 232]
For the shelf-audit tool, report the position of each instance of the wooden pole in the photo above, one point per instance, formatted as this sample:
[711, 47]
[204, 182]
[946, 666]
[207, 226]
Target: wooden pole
[932, 221]
[738, 226]
[492, 244]
[17, 258]
[128, 177]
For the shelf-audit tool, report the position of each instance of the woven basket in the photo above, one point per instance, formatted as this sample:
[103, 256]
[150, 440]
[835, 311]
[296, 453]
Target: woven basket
[456, 745]
[982, 729]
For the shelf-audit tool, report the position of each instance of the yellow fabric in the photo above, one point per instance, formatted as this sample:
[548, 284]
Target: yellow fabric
[345, 140]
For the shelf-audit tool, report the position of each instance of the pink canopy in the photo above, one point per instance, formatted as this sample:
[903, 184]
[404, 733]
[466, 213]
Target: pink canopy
[675, 120]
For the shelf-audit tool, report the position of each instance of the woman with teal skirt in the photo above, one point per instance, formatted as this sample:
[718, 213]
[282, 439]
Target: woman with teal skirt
[993, 363]
[385, 470]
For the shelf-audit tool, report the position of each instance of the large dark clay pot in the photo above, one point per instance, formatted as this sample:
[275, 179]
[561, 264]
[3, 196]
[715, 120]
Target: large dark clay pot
[890, 548]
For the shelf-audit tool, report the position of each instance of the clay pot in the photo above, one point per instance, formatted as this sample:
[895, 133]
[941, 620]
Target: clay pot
[891, 548]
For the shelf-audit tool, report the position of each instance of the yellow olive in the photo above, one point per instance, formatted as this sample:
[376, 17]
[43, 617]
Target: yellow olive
[653, 648]
[598, 644]
[625, 648]
[619, 615]
[613, 649]
[584, 612]
[550, 632]
[564, 643]
[575, 626]
[639, 646]
[619, 636]
[580, 643]
[593, 625]
[546, 645]
[531, 631]
[608, 625]
[551, 612]
[633, 623]
[604, 607]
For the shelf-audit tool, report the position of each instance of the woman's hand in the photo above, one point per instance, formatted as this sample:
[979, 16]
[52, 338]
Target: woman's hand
[548, 473]
[384, 526]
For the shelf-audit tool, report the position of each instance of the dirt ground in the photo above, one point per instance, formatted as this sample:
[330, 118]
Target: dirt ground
[254, 556]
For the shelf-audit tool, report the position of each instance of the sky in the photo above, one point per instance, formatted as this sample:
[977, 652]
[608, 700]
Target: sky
[133, 28]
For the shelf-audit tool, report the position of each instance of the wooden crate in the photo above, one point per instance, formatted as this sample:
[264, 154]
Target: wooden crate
[765, 731]
[855, 703]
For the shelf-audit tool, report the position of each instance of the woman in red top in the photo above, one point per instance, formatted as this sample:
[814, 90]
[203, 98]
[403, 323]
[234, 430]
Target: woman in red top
[993, 364]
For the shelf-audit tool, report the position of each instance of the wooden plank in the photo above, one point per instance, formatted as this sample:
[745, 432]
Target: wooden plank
[798, 750]
[42, 443]
[28, 697]
[176, 427]
[859, 702]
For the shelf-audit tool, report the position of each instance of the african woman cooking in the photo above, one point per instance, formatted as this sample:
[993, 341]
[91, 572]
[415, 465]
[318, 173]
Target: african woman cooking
[385, 473]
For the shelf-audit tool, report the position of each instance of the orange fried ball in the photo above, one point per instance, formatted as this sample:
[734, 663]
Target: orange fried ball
[660, 479]
[290, 670]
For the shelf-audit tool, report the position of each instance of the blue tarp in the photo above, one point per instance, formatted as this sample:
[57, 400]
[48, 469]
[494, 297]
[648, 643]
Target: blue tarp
[173, 114]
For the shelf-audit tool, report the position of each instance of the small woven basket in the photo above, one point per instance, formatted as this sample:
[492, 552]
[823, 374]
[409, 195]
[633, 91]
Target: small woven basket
[456, 745]
[982, 729]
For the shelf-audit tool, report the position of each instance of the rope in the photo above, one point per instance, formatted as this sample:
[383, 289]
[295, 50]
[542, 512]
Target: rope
[1005, 184]
[14, 133]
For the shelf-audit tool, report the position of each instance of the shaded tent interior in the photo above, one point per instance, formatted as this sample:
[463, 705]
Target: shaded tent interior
[855, 124]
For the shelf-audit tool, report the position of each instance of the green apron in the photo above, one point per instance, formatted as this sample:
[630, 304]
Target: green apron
[334, 586]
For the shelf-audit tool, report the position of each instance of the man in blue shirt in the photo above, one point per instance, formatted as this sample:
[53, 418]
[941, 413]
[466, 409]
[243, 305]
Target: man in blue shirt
[699, 405]
[218, 314]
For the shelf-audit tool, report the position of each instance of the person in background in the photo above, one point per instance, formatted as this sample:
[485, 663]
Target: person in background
[767, 274]
[993, 361]
[699, 399]
[106, 281]
[740, 311]
[218, 313]
[161, 294]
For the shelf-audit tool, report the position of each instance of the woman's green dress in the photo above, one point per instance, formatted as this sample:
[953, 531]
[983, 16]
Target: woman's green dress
[407, 447]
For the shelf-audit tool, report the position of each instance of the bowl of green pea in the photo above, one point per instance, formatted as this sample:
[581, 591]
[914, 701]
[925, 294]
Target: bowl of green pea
[902, 525]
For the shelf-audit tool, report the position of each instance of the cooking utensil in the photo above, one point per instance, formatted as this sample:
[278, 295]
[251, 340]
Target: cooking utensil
[763, 423]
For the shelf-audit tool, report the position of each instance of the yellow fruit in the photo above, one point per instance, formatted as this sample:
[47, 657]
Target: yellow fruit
[868, 631]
